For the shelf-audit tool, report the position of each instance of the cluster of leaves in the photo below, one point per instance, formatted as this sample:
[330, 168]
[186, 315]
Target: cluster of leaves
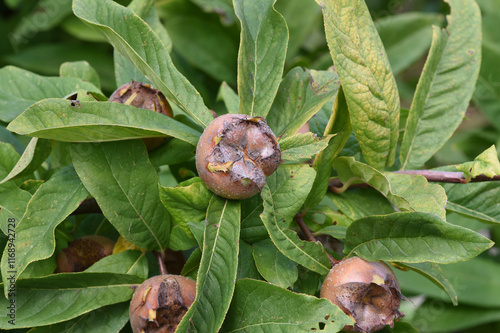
[83, 148]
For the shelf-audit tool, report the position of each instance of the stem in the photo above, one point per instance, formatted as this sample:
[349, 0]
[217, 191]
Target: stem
[161, 263]
[310, 236]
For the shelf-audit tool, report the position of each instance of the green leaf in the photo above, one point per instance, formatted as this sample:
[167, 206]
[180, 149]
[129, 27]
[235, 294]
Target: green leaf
[80, 70]
[56, 298]
[34, 155]
[222, 7]
[49, 206]
[132, 262]
[174, 151]
[413, 238]
[302, 146]
[254, 310]
[340, 126]
[261, 56]
[422, 196]
[246, 263]
[108, 319]
[186, 204]
[125, 184]
[58, 119]
[283, 195]
[19, 89]
[273, 265]
[229, 97]
[359, 203]
[485, 164]
[446, 85]
[218, 268]
[335, 231]
[406, 37]
[301, 94]
[369, 85]
[434, 273]
[476, 200]
[145, 50]
[252, 228]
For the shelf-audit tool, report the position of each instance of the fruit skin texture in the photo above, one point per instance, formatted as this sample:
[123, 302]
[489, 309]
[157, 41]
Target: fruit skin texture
[365, 290]
[235, 154]
[83, 252]
[160, 302]
[143, 96]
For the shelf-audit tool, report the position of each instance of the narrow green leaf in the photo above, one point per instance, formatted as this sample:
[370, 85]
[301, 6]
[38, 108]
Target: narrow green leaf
[49, 206]
[222, 7]
[261, 56]
[273, 265]
[340, 126]
[485, 164]
[254, 310]
[302, 146]
[108, 319]
[283, 195]
[246, 263]
[80, 70]
[369, 85]
[446, 85]
[413, 238]
[125, 184]
[60, 297]
[336, 231]
[252, 228]
[218, 268]
[476, 200]
[132, 262]
[19, 89]
[229, 97]
[34, 155]
[434, 273]
[145, 50]
[301, 94]
[64, 120]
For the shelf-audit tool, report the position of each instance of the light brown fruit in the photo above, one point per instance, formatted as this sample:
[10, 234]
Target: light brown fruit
[365, 290]
[160, 302]
[235, 154]
[143, 96]
[83, 252]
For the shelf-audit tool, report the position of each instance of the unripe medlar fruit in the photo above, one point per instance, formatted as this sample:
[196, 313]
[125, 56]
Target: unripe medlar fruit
[143, 96]
[365, 290]
[160, 302]
[83, 252]
[235, 154]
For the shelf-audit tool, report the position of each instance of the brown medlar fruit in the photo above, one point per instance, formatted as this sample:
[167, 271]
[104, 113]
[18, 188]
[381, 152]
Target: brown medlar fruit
[235, 154]
[160, 302]
[367, 291]
[143, 96]
[83, 252]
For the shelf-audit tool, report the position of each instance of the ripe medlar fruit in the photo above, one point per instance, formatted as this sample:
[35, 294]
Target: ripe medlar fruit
[83, 252]
[160, 302]
[235, 154]
[365, 290]
[143, 96]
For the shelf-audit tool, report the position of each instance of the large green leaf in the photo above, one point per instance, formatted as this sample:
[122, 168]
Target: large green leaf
[81, 121]
[446, 85]
[145, 50]
[19, 89]
[302, 146]
[132, 262]
[283, 195]
[413, 238]
[218, 268]
[80, 70]
[301, 94]
[125, 184]
[273, 265]
[369, 85]
[49, 206]
[60, 297]
[261, 56]
[254, 309]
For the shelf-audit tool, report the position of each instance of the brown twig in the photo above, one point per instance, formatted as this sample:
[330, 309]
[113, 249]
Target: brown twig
[161, 262]
[310, 237]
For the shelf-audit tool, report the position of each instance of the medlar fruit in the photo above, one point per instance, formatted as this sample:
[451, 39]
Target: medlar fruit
[160, 302]
[83, 252]
[143, 96]
[365, 290]
[235, 154]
